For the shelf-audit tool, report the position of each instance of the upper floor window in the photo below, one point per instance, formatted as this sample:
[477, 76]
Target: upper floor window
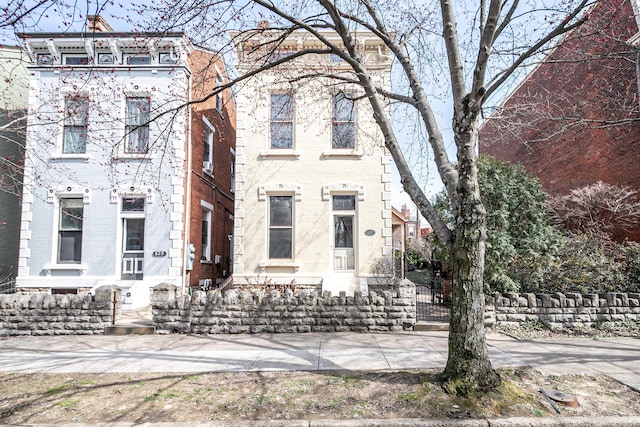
[233, 170]
[281, 120]
[279, 54]
[343, 126]
[76, 114]
[76, 60]
[219, 100]
[137, 125]
[207, 144]
[135, 59]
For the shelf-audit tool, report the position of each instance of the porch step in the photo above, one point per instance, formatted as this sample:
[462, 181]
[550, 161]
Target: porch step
[129, 330]
[431, 326]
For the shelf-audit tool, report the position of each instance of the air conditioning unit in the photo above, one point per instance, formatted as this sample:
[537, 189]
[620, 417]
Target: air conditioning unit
[207, 167]
[205, 284]
[217, 259]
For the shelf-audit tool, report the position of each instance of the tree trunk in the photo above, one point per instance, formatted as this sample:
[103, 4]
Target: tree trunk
[468, 367]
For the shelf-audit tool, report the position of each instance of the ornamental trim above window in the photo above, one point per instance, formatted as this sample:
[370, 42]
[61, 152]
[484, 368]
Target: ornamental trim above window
[75, 191]
[342, 187]
[145, 191]
[280, 187]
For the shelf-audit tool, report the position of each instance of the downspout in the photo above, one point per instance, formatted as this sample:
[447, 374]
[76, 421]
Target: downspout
[186, 273]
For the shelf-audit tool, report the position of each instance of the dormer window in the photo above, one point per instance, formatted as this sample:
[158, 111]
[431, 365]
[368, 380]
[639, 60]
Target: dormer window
[45, 60]
[106, 59]
[137, 59]
[76, 60]
[167, 58]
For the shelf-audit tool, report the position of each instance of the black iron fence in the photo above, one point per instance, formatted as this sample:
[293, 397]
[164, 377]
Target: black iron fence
[432, 301]
[8, 287]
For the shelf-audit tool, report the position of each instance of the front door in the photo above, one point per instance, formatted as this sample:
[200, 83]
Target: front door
[344, 207]
[132, 240]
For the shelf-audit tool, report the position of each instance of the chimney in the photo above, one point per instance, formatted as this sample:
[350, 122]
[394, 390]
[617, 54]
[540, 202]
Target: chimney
[95, 23]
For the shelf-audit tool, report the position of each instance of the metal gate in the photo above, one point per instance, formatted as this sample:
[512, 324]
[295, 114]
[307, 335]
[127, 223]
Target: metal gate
[433, 301]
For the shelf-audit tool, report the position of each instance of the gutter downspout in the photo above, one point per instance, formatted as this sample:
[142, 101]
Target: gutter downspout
[186, 274]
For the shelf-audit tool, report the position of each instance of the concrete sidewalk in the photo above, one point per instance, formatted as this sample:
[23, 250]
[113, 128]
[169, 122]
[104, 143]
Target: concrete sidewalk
[618, 358]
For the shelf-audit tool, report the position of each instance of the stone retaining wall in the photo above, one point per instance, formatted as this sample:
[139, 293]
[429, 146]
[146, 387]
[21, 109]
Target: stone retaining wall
[559, 310]
[234, 312]
[41, 314]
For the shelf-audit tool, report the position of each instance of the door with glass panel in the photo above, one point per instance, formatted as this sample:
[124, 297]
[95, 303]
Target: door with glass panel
[132, 238]
[344, 210]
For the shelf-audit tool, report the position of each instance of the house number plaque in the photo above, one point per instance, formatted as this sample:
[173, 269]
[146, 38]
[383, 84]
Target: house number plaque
[159, 253]
[369, 232]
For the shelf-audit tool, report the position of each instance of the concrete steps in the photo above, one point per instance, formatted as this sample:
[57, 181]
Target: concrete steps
[133, 322]
[129, 330]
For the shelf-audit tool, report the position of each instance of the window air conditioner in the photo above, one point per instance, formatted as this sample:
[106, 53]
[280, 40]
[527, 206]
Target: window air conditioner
[207, 167]
[205, 284]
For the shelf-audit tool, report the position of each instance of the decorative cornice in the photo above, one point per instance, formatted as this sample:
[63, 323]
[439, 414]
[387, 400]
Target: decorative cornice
[342, 186]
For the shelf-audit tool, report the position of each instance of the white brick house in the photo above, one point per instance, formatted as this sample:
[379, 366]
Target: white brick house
[105, 188]
[313, 183]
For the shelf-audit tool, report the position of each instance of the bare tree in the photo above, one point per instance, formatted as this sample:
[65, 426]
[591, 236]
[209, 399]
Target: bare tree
[598, 207]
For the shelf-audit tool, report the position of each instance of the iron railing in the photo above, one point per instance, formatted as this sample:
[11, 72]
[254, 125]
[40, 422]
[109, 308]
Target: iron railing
[8, 287]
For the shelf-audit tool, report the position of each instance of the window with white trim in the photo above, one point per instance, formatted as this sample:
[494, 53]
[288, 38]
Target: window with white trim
[280, 227]
[282, 112]
[233, 170]
[206, 235]
[70, 230]
[207, 145]
[76, 118]
[219, 99]
[137, 118]
[343, 122]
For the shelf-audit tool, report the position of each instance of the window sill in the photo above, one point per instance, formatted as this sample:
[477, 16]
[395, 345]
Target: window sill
[82, 268]
[343, 153]
[282, 152]
[82, 156]
[141, 156]
[279, 263]
[206, 261]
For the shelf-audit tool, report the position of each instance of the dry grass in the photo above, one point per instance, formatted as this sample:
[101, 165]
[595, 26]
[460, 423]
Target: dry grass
[57, 398]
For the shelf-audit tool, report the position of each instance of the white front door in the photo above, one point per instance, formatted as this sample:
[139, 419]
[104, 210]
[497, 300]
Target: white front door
[133, 248]
[132, 216]
[344, 225]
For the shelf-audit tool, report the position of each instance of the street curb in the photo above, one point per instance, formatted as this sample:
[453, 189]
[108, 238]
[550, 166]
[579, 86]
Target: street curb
[608, 421]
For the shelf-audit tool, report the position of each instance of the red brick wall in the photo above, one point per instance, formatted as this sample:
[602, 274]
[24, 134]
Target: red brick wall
[214, 190]
[575, 119]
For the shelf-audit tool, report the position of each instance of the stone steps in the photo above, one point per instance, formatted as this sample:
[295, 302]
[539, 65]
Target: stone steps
[129, 330]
